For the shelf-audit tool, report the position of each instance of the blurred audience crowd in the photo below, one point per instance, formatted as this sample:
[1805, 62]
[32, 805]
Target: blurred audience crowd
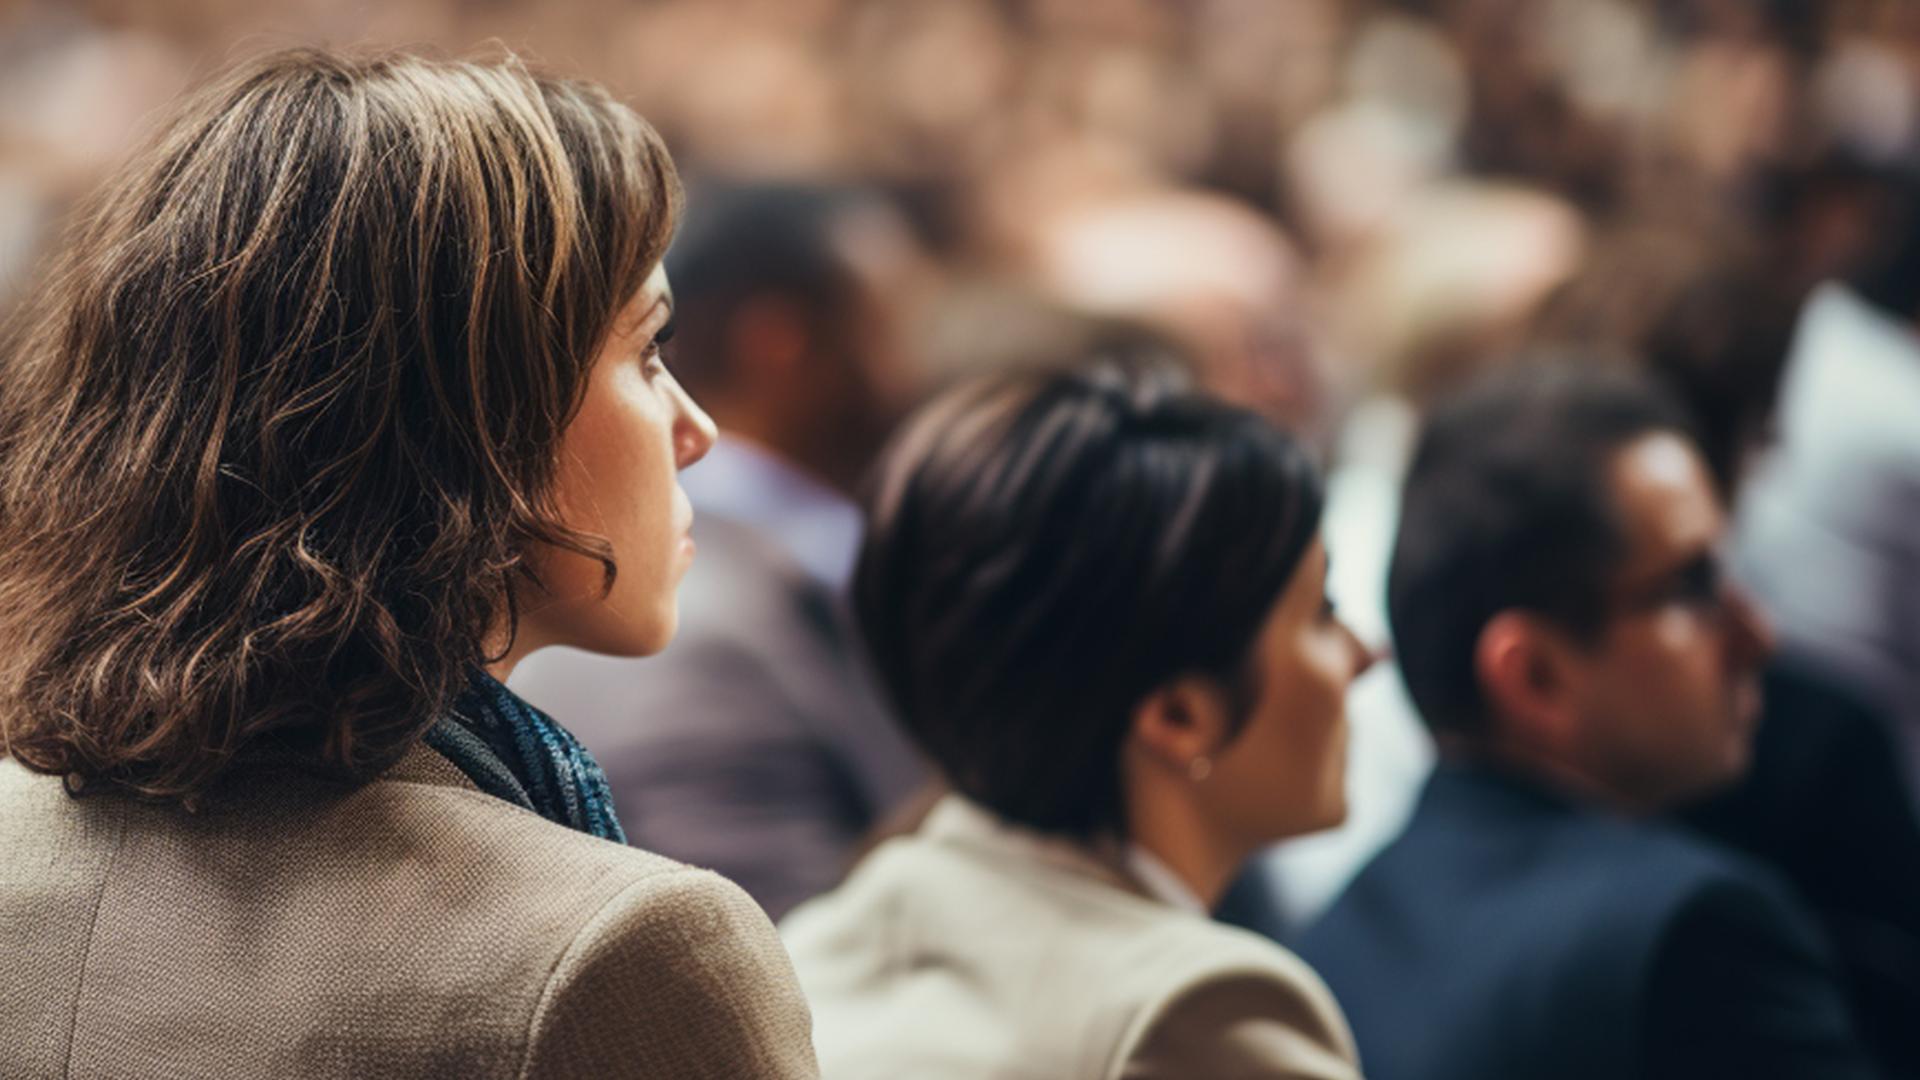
[1339, 211]
[1436, 165]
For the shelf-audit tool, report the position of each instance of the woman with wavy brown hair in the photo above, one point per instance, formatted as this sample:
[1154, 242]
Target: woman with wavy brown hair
[345, 395]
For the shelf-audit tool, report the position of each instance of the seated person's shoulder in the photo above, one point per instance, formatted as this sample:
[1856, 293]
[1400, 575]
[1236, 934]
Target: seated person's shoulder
[1739, 983]
[1217, 1001]
[1637, 895]
[654, 967]
[1666, 867]
[679, 970]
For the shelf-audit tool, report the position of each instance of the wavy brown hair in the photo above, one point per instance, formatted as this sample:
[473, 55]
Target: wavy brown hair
[281, 430]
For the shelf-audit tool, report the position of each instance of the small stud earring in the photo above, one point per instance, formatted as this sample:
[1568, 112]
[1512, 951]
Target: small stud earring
[1199, 769]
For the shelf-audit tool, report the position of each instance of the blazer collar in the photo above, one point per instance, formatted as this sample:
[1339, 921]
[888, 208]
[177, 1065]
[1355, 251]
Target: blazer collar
[1484, 786]
[422, 764]
[959, 822]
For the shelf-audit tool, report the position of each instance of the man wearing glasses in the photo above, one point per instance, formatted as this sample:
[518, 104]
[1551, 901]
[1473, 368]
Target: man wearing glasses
[1563, 625]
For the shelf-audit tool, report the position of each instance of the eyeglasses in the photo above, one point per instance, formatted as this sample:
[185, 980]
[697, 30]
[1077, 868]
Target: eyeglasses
[1700, 584]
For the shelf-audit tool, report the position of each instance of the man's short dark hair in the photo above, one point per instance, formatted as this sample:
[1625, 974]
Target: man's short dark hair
[744, 240]
[1047, 549]
[1506, 506]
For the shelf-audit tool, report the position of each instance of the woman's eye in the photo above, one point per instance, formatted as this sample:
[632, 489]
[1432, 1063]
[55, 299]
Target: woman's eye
[653, 359]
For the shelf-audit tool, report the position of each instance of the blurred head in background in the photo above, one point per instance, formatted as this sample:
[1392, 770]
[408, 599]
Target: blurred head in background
[1704, 317]
[792, 305]
[1097, 600]
[1213, 273]
[1557, 595]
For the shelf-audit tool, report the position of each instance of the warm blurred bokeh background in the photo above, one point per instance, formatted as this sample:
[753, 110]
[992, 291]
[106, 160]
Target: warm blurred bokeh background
[1330, 203]
[1336, 207]
[1437, 169]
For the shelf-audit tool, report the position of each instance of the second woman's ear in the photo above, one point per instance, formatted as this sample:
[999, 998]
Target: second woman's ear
[1186, 720]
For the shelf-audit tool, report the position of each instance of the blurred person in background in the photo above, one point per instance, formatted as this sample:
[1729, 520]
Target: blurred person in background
[1216, 275]
[1096, 598]
[345, 395]
[1825, 800]
[1564, 626]
[1839, 489]
[1428, 304]
[757, 746]
[1826, 532]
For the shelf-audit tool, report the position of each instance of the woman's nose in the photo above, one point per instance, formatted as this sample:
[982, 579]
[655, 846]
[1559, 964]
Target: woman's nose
[694, 431]
[1364, 656]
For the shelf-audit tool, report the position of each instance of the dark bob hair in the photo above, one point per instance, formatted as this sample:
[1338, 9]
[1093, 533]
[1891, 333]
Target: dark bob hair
[1046, 549]
[280, 433]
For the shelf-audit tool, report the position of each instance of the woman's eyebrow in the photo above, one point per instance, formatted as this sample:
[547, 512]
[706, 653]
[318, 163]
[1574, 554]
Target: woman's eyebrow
[665, 301]
[648, 316]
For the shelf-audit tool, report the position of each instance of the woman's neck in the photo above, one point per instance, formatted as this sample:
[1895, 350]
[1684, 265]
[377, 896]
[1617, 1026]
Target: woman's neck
[1173, 830]
[507, 649]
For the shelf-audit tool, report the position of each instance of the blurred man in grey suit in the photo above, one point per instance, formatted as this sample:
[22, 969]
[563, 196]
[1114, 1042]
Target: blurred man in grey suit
[756, 746]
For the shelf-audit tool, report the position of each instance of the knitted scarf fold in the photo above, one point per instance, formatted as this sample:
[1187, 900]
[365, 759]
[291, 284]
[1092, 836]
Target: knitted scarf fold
[515, 752]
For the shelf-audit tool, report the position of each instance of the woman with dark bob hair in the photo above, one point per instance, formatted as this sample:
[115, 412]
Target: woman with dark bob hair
[1097, 601]
[345, 395]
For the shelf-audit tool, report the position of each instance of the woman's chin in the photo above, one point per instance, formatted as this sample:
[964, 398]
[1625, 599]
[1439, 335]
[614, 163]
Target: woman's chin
[1331, 813]
[651, 639]
[630, 637]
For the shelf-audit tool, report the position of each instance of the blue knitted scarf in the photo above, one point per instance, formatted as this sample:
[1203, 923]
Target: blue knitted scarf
[515, 752]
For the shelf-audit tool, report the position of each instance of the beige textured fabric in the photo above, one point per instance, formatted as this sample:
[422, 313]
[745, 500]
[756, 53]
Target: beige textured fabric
[410, 927]
[974, 950]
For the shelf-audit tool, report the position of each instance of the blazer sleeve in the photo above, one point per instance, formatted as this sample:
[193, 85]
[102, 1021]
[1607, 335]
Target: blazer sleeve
[679, 974]
[1742, 986]
[1242, 1027]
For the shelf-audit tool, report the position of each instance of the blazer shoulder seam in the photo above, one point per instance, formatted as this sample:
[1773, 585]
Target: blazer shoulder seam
[586, 934]
[93, 930]
[1153, 1008]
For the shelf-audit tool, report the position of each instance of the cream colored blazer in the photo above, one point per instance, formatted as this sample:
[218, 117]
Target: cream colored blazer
[975, 950]
[410, 927]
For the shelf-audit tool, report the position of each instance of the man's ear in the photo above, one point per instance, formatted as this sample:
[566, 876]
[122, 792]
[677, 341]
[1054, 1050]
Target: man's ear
[768, 337]
[1523, 666]
[1185, 721]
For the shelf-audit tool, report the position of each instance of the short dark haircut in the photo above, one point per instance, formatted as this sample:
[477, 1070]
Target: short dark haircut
[740, 240]
[1048, 548]
[1506, 506]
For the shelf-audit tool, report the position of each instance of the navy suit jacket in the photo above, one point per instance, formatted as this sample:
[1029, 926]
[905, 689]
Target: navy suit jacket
[1510, 934]
[1826, 804]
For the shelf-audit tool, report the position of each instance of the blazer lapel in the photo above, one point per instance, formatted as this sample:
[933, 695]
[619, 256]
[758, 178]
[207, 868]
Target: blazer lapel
[961, 823]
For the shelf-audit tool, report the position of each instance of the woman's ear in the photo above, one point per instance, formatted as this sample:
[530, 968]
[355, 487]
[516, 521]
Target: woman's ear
[1182, 724]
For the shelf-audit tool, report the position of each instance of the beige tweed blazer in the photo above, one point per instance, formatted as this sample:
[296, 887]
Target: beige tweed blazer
[972, 950]
[409, 927]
